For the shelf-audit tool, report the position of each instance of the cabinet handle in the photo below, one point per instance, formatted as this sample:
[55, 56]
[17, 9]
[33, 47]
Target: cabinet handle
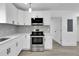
[13, 22]
[16, 44]
[8, 50]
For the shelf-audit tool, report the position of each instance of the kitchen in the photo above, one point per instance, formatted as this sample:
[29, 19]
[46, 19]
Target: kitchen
[20, 29]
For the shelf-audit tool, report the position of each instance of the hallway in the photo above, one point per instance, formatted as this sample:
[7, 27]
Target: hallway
[56, 51]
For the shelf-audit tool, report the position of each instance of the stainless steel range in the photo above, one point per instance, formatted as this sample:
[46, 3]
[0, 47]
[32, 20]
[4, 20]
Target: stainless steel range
[37, 40]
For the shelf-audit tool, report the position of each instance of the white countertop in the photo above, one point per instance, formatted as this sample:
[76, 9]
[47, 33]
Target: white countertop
[11, 37]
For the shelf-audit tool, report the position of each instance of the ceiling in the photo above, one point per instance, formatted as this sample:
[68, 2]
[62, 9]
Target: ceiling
[48, 6]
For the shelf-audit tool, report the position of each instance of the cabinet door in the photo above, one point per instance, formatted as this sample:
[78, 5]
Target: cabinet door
[11, 13]
[20, 17]
[47, 41]
[3, 52]
[16, 47]
[27, 42]
[24, 17]
[11, 50]
[19, 45]
[24, 43]
[46, 20]
[28, 18]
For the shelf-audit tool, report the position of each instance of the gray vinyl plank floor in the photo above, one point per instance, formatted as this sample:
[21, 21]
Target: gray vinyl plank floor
[56, 51]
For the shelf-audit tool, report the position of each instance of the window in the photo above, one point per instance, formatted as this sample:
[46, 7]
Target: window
[70, 25]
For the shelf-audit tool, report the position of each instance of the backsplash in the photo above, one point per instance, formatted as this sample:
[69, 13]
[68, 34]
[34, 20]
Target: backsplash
[24, 29]
[45, 28]
[29, 28]
[6, 29]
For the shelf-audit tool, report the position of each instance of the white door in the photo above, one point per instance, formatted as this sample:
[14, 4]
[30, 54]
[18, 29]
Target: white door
[56, 28]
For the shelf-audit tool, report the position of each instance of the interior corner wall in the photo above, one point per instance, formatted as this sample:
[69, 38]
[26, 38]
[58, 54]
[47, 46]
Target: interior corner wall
[78, 29]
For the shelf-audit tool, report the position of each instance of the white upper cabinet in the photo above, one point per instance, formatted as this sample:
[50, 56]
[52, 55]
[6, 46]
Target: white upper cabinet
[2, 13]
[11, 13]
[20, 17]
[27, 18]
[23, 18]
[8, 13]
[46, 21]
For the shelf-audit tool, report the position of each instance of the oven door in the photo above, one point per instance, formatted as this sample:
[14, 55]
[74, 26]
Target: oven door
[37, 40]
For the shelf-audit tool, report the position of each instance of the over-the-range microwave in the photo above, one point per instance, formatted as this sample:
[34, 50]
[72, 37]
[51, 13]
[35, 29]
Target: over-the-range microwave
[36, 21]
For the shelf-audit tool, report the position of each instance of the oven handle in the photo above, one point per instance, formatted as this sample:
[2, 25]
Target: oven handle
[44, 39]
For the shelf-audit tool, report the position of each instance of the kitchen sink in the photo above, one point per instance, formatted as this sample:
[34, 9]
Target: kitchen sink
[3, 39]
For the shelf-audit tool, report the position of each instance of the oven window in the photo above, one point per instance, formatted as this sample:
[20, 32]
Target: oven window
[37, 40]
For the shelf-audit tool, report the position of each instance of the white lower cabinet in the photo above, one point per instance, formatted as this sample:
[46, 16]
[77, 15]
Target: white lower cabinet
[3, 52]
[7, 51]
[48, 42]
[12, 48]
[26, 42]
[19, 45]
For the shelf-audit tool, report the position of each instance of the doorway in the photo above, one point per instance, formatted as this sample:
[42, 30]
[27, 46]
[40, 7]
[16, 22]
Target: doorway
[56, 29]
[77, 31]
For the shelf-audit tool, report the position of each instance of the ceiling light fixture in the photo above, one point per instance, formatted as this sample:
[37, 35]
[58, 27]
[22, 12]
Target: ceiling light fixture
[30, 8]
[25, 3]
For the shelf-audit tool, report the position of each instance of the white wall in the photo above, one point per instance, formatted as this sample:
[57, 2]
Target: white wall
[68, 38]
